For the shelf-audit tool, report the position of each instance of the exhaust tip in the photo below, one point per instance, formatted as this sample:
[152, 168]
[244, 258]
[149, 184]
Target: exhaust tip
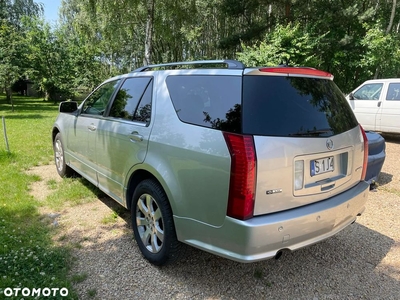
[278, 254]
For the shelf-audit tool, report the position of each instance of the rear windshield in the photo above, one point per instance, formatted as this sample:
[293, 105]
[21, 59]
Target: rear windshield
[294, 106]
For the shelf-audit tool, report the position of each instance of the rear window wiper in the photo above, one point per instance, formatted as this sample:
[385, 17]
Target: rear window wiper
[319, 132]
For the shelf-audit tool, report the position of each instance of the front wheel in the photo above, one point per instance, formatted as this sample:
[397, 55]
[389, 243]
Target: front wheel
[153, 225]
[62, 169]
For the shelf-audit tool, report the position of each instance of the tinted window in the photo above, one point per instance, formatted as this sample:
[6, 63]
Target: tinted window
[143, 111]
[393, 92]
[283, 106]
[369, 92]
[97, 102]
[128, 97]
[209, 101]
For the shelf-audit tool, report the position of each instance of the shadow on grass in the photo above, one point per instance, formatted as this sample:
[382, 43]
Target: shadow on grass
[121, 211]
[24, 116]
[26, 104]
[5, 155]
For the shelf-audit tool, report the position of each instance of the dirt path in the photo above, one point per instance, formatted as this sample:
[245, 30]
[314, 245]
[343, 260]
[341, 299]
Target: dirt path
[361, 262]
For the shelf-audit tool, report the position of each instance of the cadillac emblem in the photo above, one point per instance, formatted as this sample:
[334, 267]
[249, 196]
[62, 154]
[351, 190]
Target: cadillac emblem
[329, 144]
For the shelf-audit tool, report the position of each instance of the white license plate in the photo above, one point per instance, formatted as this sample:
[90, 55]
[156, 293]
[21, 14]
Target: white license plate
[323, 165]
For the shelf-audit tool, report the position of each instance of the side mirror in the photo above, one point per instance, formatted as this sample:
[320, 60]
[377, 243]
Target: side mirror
[351, 96]
[68, 107]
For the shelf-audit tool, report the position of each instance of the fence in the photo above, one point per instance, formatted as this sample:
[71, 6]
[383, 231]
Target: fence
[5, 133]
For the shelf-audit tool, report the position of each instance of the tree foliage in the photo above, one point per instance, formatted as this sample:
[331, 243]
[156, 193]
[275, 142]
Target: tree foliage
[50, 62]
[332, 35]
[12, 50]
[285, 45]
[354, 40]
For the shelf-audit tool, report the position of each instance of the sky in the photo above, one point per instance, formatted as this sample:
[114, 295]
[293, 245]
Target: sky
[50, 9]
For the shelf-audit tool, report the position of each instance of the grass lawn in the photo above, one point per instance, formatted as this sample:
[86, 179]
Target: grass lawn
[28, 256]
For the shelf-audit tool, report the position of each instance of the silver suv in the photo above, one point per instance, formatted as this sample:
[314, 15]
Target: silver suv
[240, 162]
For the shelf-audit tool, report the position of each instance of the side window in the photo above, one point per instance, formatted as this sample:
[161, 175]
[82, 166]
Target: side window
[209, 101]
[393, 92]
[370, 91]
[128, 97]
[143, 111]
[97, 102]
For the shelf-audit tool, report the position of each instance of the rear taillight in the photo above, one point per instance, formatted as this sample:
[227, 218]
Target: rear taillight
[365, 164]
[243, 175]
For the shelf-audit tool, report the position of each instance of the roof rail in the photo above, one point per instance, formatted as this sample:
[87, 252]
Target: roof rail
[232, 64]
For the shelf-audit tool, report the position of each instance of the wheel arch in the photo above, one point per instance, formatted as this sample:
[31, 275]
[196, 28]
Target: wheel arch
[137, 177]
[54, 132]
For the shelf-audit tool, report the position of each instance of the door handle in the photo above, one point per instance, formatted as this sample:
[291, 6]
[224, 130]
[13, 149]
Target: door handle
[379, 103]
[91, 127]
[136, 137]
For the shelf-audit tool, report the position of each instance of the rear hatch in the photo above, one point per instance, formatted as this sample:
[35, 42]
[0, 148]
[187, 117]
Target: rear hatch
[308, 143]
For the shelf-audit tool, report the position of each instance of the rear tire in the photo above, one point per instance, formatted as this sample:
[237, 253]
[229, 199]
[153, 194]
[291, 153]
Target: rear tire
[62, 169]
[153, 225]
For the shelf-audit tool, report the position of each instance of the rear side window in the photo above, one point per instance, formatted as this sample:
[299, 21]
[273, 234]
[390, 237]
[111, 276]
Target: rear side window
[393, 92]
[127, 99]
[294, 106]
[143, 111]
[209, 101]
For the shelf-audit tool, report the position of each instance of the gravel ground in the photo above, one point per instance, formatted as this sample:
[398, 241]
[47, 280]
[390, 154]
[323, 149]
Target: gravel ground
[361, 262]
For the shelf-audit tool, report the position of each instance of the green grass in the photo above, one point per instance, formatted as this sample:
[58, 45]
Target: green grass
[258, 273]
[73, 191]
[78, 278]
[111, 218]
[52, 184]
[92, 293]
[28, 256]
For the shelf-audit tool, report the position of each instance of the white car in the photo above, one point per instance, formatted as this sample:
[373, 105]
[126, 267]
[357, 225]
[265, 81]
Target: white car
[376, 104]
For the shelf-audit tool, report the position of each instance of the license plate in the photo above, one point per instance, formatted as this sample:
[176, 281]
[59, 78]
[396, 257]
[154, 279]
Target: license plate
[323, 165]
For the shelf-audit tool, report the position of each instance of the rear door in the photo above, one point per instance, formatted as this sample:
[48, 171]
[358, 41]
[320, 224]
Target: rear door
[308, 142]
[122, 137]
[366, 104]
[390, 109]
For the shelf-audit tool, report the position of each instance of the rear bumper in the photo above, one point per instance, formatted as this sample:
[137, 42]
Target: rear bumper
[262, 237]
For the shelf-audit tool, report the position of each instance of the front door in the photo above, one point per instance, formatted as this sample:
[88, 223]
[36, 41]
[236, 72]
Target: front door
[366, 105]
[82, 136]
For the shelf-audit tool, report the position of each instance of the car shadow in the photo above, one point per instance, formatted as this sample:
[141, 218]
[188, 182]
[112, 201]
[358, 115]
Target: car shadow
[347, 265]
[393, 138]
[384, 178]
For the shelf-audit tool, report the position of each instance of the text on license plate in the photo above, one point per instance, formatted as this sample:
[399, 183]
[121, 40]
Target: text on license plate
[323, 165]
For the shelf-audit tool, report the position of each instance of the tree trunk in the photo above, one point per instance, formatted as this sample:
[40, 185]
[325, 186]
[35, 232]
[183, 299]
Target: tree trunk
[388, 29]
[392, 15]
[12, 102]
[287, 11]
[149, 32]
[8, 95]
